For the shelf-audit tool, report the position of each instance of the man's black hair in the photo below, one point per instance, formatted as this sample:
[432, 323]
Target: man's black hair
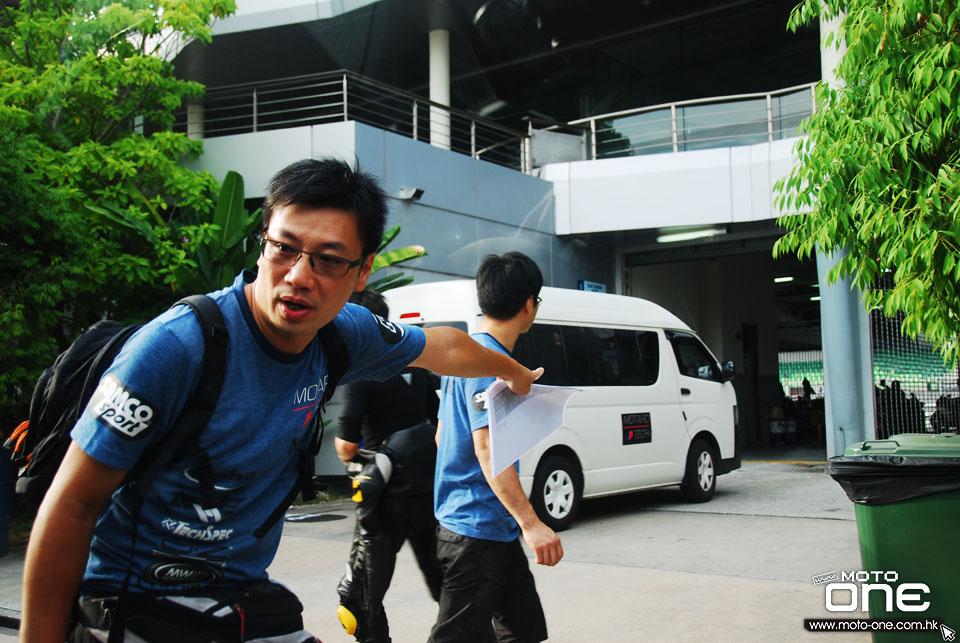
[331, 183]
[372, 301]
[505, 283]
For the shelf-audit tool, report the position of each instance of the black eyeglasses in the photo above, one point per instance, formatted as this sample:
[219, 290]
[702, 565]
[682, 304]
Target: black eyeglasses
[322, 264]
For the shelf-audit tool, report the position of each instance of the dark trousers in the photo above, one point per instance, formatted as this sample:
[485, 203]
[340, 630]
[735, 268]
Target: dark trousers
[373, 556]
[484, 580]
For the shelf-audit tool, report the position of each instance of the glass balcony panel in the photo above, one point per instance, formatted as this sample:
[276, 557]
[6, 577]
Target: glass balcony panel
[636, 134]
[742, 122]
[789, 110]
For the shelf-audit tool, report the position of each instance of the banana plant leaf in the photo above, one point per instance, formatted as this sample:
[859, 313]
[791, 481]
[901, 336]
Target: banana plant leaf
[387, 283]
[393, 257]
[123, 218]
[229, 214]
[388, 236]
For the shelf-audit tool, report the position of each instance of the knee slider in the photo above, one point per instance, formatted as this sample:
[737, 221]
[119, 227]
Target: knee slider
[347, 620]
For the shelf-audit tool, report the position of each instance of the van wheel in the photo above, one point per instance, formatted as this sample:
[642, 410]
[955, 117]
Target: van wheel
[557, 490]
[700, 478]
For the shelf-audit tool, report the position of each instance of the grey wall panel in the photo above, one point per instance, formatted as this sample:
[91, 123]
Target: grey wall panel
[446, 178]
[370, 145]
[449, 238]
[256, 156]
[511, 197]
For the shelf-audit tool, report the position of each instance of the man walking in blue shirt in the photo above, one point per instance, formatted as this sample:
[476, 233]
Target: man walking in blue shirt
[482, 516]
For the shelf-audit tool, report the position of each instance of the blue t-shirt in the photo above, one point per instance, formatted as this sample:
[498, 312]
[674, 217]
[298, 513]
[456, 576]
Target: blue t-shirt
[462, 498]
[253, 439]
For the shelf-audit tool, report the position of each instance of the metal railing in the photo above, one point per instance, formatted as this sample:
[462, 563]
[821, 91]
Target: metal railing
[725, 121]
[341, 96]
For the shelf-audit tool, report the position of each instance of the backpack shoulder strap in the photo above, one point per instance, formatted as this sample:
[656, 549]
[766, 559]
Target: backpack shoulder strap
[338, 358]
[201, 405]
[215, 338]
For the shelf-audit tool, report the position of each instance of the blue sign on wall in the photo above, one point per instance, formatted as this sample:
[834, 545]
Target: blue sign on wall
[591, 286]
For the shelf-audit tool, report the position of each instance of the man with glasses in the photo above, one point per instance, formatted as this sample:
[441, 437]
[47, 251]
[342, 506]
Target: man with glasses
[199, 562]
[481, 515]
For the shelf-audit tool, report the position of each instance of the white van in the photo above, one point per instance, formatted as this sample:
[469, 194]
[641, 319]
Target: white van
[656, 408]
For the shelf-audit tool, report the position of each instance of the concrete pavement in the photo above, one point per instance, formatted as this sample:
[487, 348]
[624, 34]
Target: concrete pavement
[642, 566]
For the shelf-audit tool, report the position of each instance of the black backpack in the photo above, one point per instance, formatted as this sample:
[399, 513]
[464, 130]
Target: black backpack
[63, 390]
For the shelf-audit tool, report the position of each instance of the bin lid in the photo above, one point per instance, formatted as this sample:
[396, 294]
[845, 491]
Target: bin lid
[938, 445]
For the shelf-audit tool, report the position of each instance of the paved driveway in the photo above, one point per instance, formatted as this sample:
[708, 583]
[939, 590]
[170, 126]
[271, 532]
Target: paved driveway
[642, 566]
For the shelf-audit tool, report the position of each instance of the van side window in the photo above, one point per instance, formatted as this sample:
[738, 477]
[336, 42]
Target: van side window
[602, 353]
[693, 358]
[578, 356]
[639, 357]
[575, 352]
[543, 346]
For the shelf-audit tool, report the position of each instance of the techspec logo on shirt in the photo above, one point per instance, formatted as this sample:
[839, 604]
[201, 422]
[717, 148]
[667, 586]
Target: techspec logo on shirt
[121, 409]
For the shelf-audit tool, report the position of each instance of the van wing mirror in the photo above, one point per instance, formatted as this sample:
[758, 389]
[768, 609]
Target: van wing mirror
[728, 372]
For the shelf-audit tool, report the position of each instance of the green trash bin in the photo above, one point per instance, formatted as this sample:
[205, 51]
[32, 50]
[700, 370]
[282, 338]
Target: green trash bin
[906, 491]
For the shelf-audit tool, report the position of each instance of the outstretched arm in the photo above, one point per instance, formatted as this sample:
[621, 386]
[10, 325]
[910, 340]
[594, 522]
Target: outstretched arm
[542, 541]
[452, 352]
[60, 543]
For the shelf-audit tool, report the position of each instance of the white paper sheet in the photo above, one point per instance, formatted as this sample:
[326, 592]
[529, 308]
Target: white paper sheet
[519, 422]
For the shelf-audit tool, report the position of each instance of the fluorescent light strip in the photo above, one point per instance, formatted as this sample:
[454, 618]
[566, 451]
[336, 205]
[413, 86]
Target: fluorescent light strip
[692, 234]
[782, 280]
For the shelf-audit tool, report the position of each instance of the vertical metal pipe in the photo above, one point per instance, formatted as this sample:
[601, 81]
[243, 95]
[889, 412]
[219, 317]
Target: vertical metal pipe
[254, 109]
[440, 88]
[770, 117]
[345, 116]
[415, 119]
[674, 130]
[593, 138]
[844, 324]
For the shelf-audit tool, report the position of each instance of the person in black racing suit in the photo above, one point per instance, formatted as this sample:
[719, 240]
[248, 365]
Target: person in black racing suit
[393, 486]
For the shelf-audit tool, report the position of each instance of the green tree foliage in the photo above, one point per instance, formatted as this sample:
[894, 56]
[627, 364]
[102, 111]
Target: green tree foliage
[40, 268]
[214, 248]
[86, 105]
[878, 174]
[89, 81]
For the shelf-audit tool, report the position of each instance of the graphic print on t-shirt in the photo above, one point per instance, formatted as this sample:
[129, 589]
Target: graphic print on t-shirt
[391, 333]
[121, 408]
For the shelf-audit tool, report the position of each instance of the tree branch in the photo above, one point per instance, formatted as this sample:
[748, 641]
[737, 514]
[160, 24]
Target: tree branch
[26, 41]
[13, 52]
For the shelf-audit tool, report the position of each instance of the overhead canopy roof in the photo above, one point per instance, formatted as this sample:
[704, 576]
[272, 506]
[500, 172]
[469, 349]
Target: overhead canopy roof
[556, 59]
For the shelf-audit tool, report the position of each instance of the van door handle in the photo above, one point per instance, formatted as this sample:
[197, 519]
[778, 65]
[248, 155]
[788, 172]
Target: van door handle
[684, 391]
